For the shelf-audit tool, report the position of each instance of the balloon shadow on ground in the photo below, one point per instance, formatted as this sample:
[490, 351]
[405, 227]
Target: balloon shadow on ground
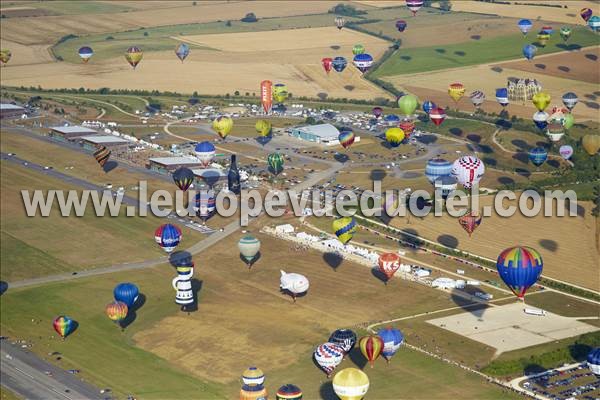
[377, 175]
[591, 96]
[326, 391]
[379, 275]
[460, 53]
[357, 358]
[485, 149]
[448, 240]
[489, 161]
[475, 37]
[540, 66]
[440, 51]
[109, 166]
[3, 287]
[579, 209]
[553, 163]
[523, 172]
[180, 258]
[505, 180]
[463, 300]
[564, 68]
[591, 57]
[405, 235]
[532, 369]
[427, 139]
[406, 58]
[334, 47]
[497, 69]
[521, 144]
[288, 293]
[591, 104]
[456, 131]
[521, 157]
[263, 140]
[384, 218]
[503, 124]
[252, 262]
[196, 288]
[549, 244]
[132, 311]
[210, 177]
[474, 138]
[333, 259]
[341, 158]
[569, 47]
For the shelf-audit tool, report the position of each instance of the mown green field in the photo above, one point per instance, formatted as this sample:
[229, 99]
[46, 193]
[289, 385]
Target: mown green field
[80, 7]
[501, 48]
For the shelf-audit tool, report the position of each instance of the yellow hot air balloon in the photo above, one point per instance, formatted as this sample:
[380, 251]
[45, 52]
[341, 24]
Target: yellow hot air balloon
[591, 143]
[394, 136]
[541, 100]
[222, 125]
[350, 384]
[263, 127]
[456, 91]
[134, 56]
[280, 92]
[344, 228]
[5, 56]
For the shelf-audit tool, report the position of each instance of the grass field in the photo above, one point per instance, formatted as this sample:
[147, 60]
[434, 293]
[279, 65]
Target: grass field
[87, 7]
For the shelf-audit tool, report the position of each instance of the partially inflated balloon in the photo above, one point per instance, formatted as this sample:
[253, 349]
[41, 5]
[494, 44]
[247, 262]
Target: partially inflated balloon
[86, 53]
[565, 151]
[134, 56]
[565, 33]
[408, 104]
[591, 143]
[344, 228]
[350, 384]
[394, 136]
[222, 125]
[456, 91]
[263, 127]
[346, 138]
[541, 100]
[63, 325]
[519, 267]
[470, 221]
[182, 51]
[529, 51]
[183, 178]
[370, 347]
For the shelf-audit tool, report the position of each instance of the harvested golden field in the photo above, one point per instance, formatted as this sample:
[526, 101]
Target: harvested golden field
[27, 54]
[566, 244]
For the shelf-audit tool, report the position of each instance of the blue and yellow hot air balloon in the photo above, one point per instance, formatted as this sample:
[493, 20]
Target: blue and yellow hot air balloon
[63, 325]
[344, 228]
[394, 136]
[519, 267]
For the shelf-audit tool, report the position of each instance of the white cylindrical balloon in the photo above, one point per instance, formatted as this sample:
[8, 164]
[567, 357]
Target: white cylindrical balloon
[468, 170]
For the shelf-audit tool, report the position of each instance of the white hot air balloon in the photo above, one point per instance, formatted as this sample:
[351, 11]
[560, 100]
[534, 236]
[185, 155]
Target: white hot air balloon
[468, 170]
[293, 283]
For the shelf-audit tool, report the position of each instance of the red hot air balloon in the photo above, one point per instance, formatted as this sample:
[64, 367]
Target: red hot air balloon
[266, 95]
[371, 347]
[470, 221]
[327, 62]
[408, 127]
[437, 115]
[388, 264]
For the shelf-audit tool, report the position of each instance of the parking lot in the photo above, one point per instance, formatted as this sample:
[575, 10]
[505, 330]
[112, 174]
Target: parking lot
[575, 383]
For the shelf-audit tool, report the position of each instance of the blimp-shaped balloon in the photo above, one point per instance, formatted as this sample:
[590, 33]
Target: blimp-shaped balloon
[293, 283]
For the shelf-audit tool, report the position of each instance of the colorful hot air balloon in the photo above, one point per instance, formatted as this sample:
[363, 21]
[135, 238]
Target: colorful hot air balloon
[327, 63]
[350, 384]
[428, 106]
[249, 247]
[565, 33]
[168, 237]
[289, 392]
[401, 25]
[183, 177]
[86, 53]
[370, 347]
[586, 13]
[328, 356]
[377, 111]
[5, 56]
[437, 168]
[502, 96]
[388, 264]
[358, 49]
[116, 311]
[594, 23]
[529, 51]
[437, 116]
[102, 155]
[346, 138]
[345, 338]
[591, 143]
[408, 104]
[468, 170]
[263, 127]
[556, 131]
[280, 92]
[182, 51]
[134, 56]
[363, 62]
[339, 64]
[266, 95]
[477, 98]
[253, 392]
[456, 91]
[542, 38]
[540, 119]
[565, 151]
[222, 125]
[63, 325]
[524, 26]
[205, 151]
[394, 136]
[407, 126]
[339, 22]
[470, 221]
[205, 204]
[392, 340]
[127, 293]
[344, 228]
[541, 100]
[519, 267]
[570, 100]
[593, 361]
[414, 5]
[253, 376]
[275, 162]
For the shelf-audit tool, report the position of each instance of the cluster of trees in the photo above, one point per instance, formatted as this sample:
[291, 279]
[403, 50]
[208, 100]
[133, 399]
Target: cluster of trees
[346, 10]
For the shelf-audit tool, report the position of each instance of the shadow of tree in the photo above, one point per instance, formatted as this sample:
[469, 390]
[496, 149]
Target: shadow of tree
[456, 131]
[448, 240]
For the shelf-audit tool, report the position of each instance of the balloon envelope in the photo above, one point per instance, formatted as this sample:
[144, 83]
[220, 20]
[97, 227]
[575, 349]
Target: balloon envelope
[401, 25]
[222, 125]
[541, 100]
[86, 53]
[502, 96]
[470, 221]
[570, 100]
[477, 98]
[566, 151]
[183, 178]
[205, 151]
[586, 14]
[468, 170]
[5, 56]
[182, 51]
[377, 111]
[339, 64]
[519, 267]
[345, 338]
[116, 311]
[414, 5]
[456, 91]
[102, 154]
[339, 22]
[289, 392]
[280, 92]
[538, 156]
[363, 62]
[394, 136]
[591, 143]
[328, 356]
[437, 116]
[346, 138]
[594, 23]
[249, 247]
[126, 293]
[388, 264]
[371, 347]
[275, 162]
[593, 361]
[350, 384]
[436, 168]
[358, 49]
[392, 340]
[253, 376]
[565, 33]
[63, 325]
[168, 237]
[529, 51]
[540, 119]
[344, 228]
[263, 127]
[408, 104]
[327, 63]
[428, 106]
[134, 56]
[525, 26]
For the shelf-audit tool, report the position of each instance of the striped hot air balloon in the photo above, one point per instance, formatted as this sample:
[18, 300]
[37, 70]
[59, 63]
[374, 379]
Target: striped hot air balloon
[371, 347]
[249, 247]
[470, 221]
[394, 136]
[280, 92]
[253, 392]
[358, 49]
[437, 168]
[205, 204]
[477, 98]
[328, 356]
[289, 392]
[275, 162]
[339, 22]
[363, 62]
[414, 5]
[116, 311]
[344, 228]
[408, 127]
[168, 236]
[183, 178]
[253, 376]
[538, 156]
[468, 170]
[524, 26]
[570, 100]
[456, 91]
[346, 138]
[540, 119]
[594, 23]
[102, 154]
[63, 325]
[133, 56]
[85, 53]
[519, 267]
[437, 116]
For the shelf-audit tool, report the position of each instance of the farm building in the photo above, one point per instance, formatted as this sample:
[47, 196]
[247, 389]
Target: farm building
[167, 165]
[325, 133]
[71, 132]
[213, 177]
[522, 89]
[91, 142]
[11, 111]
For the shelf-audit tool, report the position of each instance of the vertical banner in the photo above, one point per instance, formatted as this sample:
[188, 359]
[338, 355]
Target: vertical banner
[266, 95]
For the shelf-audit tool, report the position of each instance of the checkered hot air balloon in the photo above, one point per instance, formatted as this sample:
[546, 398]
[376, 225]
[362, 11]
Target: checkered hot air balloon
[328, 356]
[371, 347]
[519, 267]
[468, 171]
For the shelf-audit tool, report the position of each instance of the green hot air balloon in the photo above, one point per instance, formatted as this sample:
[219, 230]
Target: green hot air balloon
[249, 247]
[358, 49]
[568, 121]
[408, 104]
[275, 161]
[565, 33]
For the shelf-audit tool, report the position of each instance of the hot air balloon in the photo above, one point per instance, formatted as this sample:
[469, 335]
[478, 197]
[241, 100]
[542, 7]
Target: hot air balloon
[568, 121]
[127, 293]
[565, 151]
[249, 247]
[275, 162]
[345, 338]
[346, 138]
[339, 22]
[594, 23]
[350, 384]
[289, 392]
[327, 62]
[388, 264]
[183, 177]
[102, 155]
[263, 127]
[222, 125]
[116, 311]
[428, 106]
[524, 26]
[253, 376]
[293, 283]
[470, 221]
[586, 13]
[168, 237]
[86, 53]
[548, 29]
[363, 62]
[408, 104]
[339, 64]
[593, 361]
[344, 228]
[529, 51]
[134, 56]
[370, 347]
[280, 92]
[456, 91]
[437, 116]
[205, 151]
[391, 119]
[468, 170]
[328, 356]
[205, 204]
[408, 127]
[570, 100]
[392, 340]
[266, 95]
[555, 131]
[565, 33]
[401, 25]
[502, 96]
[541, 100]
[591, 143]
[519, 267]
[394, 136]
[63, 325]
[538, 156]
[437, 168]
[377, 111]
[253, 392]
[540, 119]
[5, 56]
[477, 98]
[542, 38]
[182, 51]
[358, 49]
[414, 5]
